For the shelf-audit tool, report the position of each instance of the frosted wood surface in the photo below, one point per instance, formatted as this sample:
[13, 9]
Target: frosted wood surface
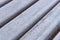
[3, 2]
[44, 27]
[11, 9]
[20, 24]
[57, 37]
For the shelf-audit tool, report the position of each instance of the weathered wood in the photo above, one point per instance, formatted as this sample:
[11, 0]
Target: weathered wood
[12, 9]
[23, 22]
[57, 37]
[44, 27]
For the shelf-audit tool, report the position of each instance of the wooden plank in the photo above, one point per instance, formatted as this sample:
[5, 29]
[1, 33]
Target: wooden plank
[57, 37]
[20, 24]
[50, 30]
[2, 2]
[12, 9]
[48, 23]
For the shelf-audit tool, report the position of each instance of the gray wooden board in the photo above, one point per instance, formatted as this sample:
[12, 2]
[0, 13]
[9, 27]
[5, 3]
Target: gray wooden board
[24, 21]
[45, 26]
[12, 8]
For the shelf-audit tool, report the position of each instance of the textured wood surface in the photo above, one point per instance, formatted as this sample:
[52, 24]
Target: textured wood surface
[29, 19]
